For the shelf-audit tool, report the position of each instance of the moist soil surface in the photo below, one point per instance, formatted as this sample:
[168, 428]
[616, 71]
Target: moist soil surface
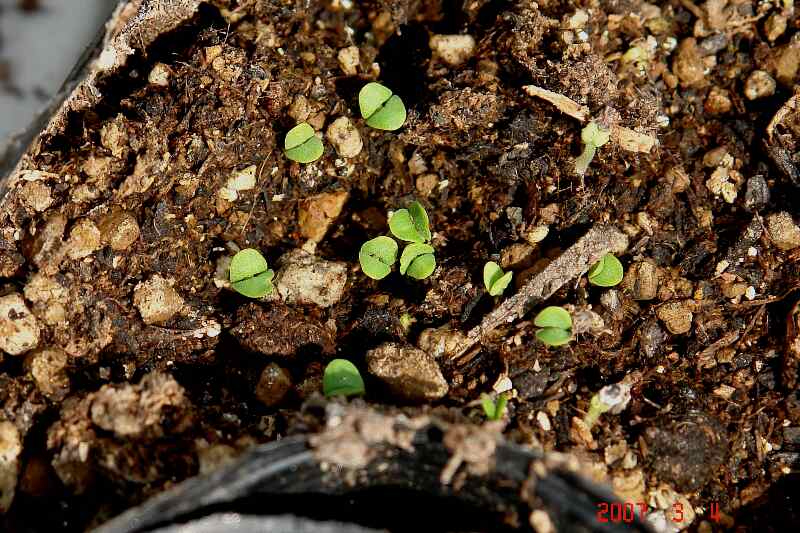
[129, 364]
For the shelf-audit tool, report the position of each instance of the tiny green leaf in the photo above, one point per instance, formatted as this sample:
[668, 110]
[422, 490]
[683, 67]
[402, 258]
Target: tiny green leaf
[302, 144]
[494, 410]
[380, 108]
[494, 279]
[411, 252]
[377, 257]
[341, 378]
[595, 135]
[411, 224]
[554, 336]
[249, 274]
[607, 272]
[390, 117]
[553, 317]
[422, 266]
[371, 97]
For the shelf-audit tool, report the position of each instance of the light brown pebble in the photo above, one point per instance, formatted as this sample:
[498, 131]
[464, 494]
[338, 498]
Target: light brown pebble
[84, 239]
[299, 110]
[48, 367]
[517, 256]
[36, 195]
[19, 329]
[344, 137]
[688, 65]
[676, 316]
[410, 374]
[316, 214]
[426, 183]
[306, 279]
[159, 75]
[273, 385]
[156, 300]
[775, 26]
[348, 60]
[453, 49]
[641, 280]
[119, 230]
[783, 231]
[718, 101]
[10, 450]
[759, 84]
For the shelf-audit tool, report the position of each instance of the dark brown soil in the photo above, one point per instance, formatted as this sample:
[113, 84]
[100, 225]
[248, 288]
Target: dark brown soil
[116, 401]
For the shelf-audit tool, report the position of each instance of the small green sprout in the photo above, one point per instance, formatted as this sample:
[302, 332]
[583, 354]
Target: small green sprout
[607, 272]
[610, 399]
[380, 108]
[302, 144]
[250, 275]
[411, 224]
[495, 279]
[593, 136]
[406, 320]
[377, 257]
[556, 324]
[342, 378]
[417, 260]
[494, 410]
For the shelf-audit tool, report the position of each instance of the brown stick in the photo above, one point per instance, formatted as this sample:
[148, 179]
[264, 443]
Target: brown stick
[597, 242]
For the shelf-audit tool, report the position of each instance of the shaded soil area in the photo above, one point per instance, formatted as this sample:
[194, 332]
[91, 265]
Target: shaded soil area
[127, 362]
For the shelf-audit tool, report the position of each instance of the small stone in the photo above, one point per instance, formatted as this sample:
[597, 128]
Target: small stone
[155, 407]
[615, 452]
[676, 316]
[306, 279]
[19, 330]
[775, 26]
[348, 60]
[641, 280]
[759, 84]
[241, 180]
[84, 239]
[453, 49]
[718, 101]
[48, 367]
[36, 195]
[440, 341]
[426, 183]
[783, 231]
[541, 523]
[630, 486]
[756, 196]
[580, 433]
[156, 300]
[536, 234]
[344, 137]
[159, 75]
[273, 385]
[688, 65]
[410, 373]
[114, 137]
[299, 110]
[119, 230]
[723, 182]
[10, 450]
[316, 214]
[517, 256]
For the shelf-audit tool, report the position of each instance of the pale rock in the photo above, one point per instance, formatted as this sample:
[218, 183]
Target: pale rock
[119, 230]
[344, 137]
[316, 214]
[48, 367]
[156, 300]
[10, 450]
[783, 231]
[19, 329]
[348, 60]
[159, 75]
[759, 84]
[411, 374]
[84, 239]
[36, 195]
[677, 316]
[306, 279]
[453, 49]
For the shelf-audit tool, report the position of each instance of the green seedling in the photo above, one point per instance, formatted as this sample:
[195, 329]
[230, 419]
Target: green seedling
[607, 272]
[494, 410]
[417, 260]
[494, 279]
[302, 144]
[380, 108]
[250, 275]
[377, 257]
[342, 378]
[406, 321]
[411, 224]
[556, 324]
[593, 136]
